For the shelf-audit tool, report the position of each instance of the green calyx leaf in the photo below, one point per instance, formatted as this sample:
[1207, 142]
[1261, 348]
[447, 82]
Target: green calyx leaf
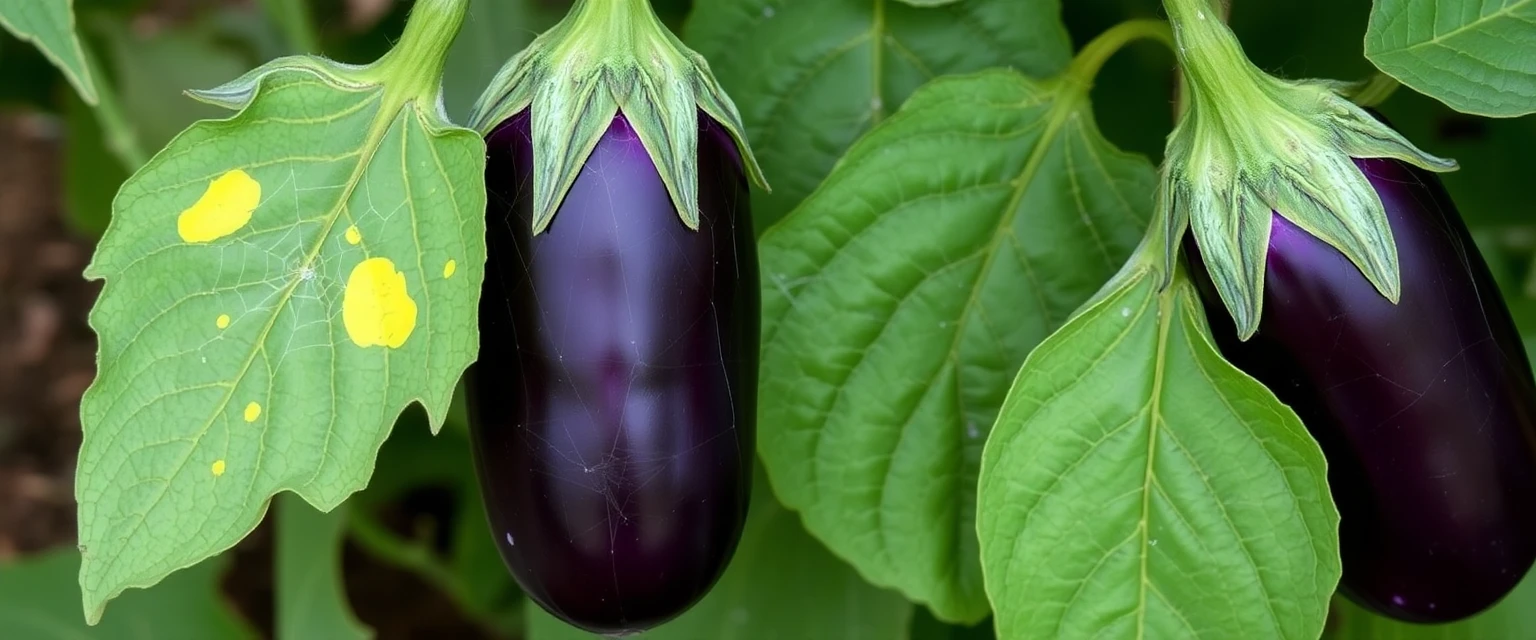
[1250, 145]
[608, 57]
[280, 285]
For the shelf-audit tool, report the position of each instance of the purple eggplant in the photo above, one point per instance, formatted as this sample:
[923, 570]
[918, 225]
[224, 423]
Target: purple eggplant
[1426, 410]
[613, 404]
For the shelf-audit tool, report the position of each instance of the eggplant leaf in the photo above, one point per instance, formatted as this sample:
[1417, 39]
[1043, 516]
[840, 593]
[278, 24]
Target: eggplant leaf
[50, 24]
[781, 585]
[1137, 485]
[900, 299]
[1478, 56]
[281, 284]
[811, 75]
[311, 598]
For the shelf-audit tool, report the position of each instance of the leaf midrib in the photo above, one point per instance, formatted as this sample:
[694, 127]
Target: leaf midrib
[1062, 109]
[1439, 38]
[390, 111]
[1154, 415]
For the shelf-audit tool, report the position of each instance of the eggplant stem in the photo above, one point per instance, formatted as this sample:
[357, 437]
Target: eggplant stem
[121, 139]
[1085, 66]
[413, 557]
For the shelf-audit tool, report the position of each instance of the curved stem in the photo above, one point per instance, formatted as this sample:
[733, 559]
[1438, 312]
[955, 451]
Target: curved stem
[1085, 67]
[118, 134]
[382, 544]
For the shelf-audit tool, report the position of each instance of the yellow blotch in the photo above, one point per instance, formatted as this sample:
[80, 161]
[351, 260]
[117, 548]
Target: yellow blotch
[218, 468]
[223, 321]
[353, 235]
[376, 308]
[224, 208]
[450, 268]
[252, 412]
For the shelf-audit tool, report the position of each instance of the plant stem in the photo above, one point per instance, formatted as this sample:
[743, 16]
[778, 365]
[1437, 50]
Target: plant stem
[1085, 67]
[121, 139]
[384, 545]
[408, 555]
[297, 25]
[415, 65]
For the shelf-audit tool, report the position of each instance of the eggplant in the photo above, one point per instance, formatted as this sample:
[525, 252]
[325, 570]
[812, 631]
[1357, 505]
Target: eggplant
[1425, 410]
[613, 405]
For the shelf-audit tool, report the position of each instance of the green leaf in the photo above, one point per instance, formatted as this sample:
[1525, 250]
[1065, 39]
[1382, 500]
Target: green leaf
[1478, 56]
[1137, 485]
[311, 597]
[1513, 617]
[781, 585]
[50, 24]
[37, 602]
[900, 299]
[280, 286]
[810, 76]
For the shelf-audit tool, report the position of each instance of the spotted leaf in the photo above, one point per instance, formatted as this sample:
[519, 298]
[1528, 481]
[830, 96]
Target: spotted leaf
[280, 285]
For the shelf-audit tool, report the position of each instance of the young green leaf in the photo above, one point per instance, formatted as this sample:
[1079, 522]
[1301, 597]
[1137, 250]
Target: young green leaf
[50, 24]
[37, 600]
[1478, 56]
[1137, 485]
[900, 299]
[311, 598]
[810, 76]
[280, 286]
[782, 584]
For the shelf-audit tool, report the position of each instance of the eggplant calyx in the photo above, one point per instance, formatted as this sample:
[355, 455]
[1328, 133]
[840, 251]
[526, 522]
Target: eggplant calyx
[1249, 145]
[608, 57]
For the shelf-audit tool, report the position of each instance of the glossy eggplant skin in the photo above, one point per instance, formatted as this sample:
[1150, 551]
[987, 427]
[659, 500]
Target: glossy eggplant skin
[1425, 410]
[613, 404]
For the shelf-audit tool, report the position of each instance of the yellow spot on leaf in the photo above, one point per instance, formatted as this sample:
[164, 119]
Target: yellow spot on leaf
[376, 308]
[218, 468]
[223, 321]
[450, 268]
[353, 235]
[252, 412]
[224, 208]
